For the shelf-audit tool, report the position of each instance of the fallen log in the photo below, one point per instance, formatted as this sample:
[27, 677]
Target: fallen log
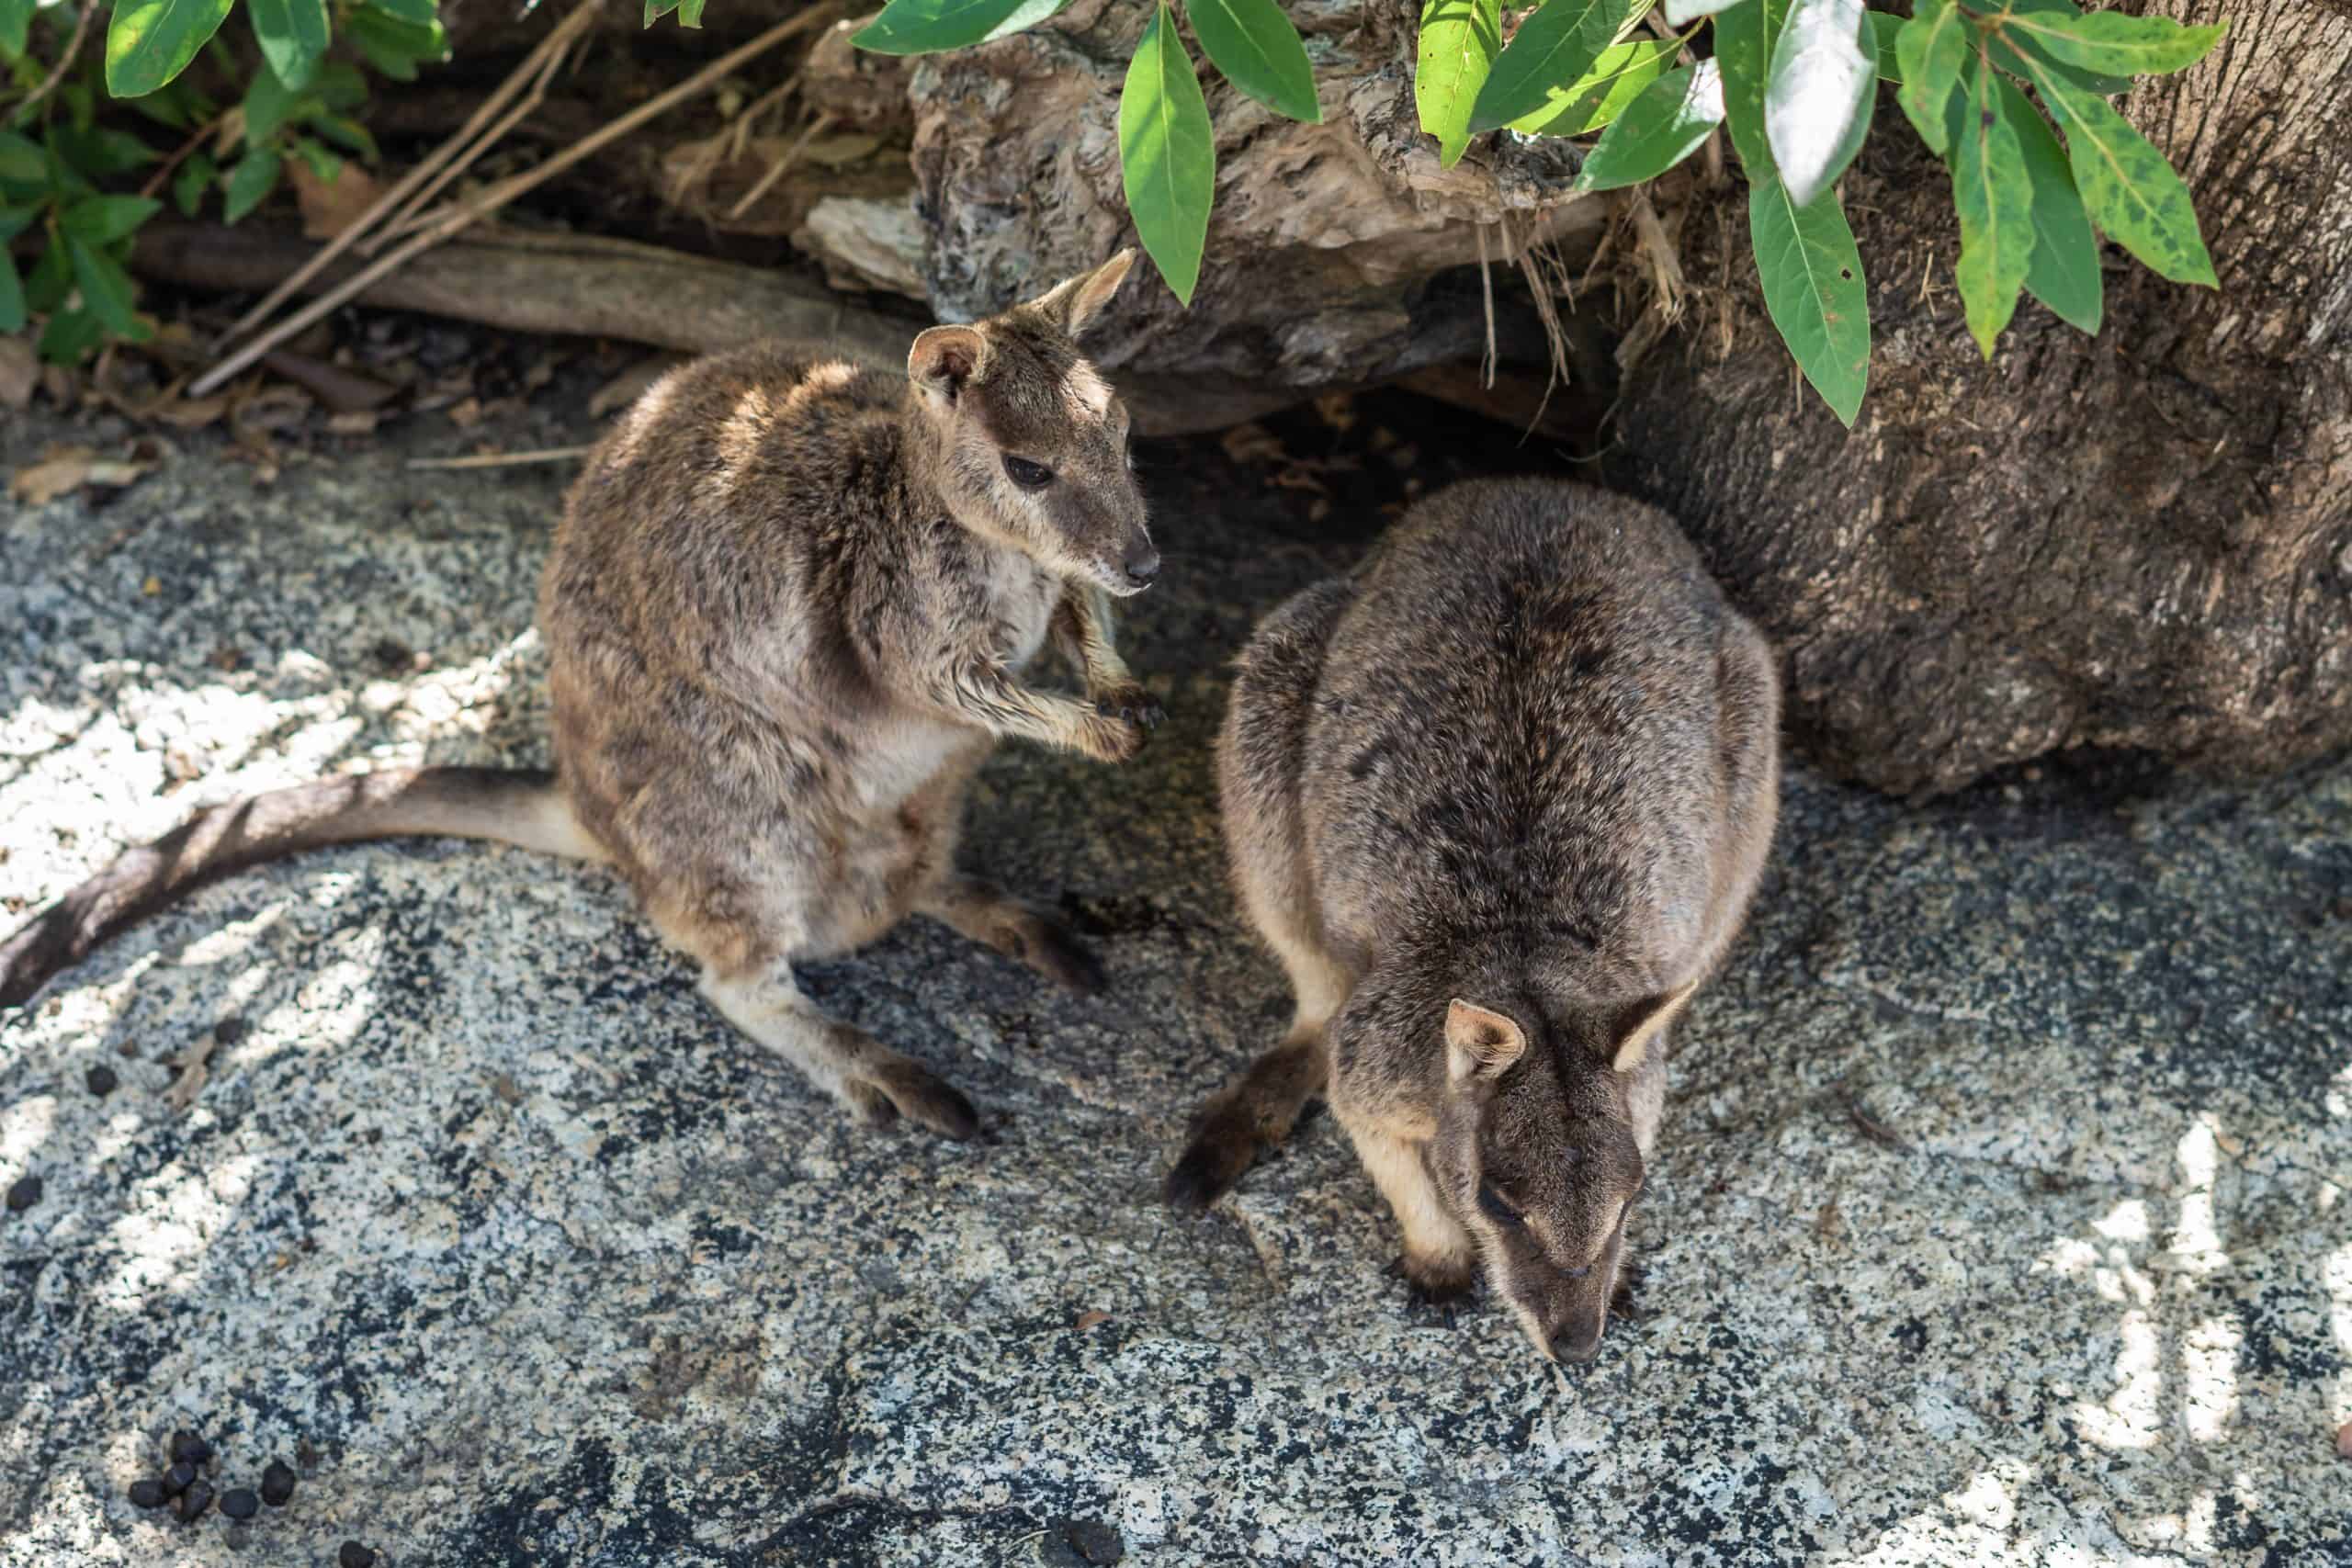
[527, 280]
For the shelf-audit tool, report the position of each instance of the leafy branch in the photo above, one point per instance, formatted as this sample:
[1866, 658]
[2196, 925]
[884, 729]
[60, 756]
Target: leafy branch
[1795, 82]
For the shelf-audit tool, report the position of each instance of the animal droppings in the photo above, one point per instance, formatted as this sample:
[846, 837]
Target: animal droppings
[276, 1484]
[177, 1479]
[101, 1080]
[240, 1503]
[24, 1194]
[189, 1446]
[193, 1502]
[147, 1493]
[355, 1555]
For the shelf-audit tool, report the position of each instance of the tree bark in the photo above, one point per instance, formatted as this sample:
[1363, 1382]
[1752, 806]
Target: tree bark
[2141, 540]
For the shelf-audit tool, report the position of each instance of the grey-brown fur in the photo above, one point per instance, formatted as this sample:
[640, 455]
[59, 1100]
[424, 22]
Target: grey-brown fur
[787, 617]
[1498, 800]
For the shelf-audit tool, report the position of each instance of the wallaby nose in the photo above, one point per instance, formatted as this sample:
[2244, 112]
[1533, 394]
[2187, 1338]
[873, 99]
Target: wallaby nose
[1576, 1336]
[1142, 563]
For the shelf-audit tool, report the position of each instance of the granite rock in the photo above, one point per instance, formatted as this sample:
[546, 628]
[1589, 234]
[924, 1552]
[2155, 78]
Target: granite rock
[1999, 1217]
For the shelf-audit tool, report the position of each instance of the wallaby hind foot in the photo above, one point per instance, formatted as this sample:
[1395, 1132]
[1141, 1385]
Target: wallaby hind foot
[986, 913]
[875, 1084]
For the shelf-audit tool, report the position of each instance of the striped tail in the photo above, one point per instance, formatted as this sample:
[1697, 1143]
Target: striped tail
[510, 806]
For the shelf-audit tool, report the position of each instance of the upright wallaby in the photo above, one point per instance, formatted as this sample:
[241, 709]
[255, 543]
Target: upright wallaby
[1498, 801]
[786, 616]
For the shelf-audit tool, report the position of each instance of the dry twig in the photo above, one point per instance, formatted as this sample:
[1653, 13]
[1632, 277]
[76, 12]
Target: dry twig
[460, 215]
[784, 161]
[64, 62]
[155, 181]
[407, 219]
[571, 27]
[503, 459]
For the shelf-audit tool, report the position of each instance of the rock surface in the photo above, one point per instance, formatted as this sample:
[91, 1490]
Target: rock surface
[2000, 1217]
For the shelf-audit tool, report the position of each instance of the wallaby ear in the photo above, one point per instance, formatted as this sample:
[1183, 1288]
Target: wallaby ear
[947, 359]
[1479, 1041]
[1081, 298]
[1643, 1022]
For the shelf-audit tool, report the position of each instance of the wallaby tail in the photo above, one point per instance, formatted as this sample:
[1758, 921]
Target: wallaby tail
[1251, 1115]
[512, 807]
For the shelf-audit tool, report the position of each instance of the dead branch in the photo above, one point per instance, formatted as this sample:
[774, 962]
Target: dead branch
[508, 189]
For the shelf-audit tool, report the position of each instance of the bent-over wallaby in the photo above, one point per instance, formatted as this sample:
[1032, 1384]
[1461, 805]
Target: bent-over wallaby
[1498, 801]
[786, 616]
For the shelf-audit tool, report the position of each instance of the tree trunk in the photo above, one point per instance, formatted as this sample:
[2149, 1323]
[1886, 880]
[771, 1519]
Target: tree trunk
[2140, 540]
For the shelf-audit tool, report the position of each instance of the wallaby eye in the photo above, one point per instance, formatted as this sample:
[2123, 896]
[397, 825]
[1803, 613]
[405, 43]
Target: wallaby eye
[1026, 474]
[1502, 1214]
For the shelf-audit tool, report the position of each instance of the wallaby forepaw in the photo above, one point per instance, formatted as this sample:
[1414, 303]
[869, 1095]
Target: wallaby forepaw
[887, 1091]
[1047, 946]
[1132, 704]
[1436, 1280]
[1110, 738]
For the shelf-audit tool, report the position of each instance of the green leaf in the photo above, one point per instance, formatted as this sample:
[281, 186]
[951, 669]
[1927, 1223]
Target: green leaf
[1459, 42]
[99, 151]
[16, 22]
[23, 172]
[102, 220]
[13, 313]
[14, 220]
[395, 46]
[690, 12]
[105, 287]
[1558, 44]
[348, 134]
[268, 106]
[1596, 98]
[1167, 156]
[2118, 45]
[70, 336]
[151, 41]
[293, 35]
[1813, 288]
[341, 86]
[1994, 195]
[52, 277]
[1667, 123]
[927, 26]
[189, 185]
[2064, 274]
[657, 9]
[416, 13]
[2014, 47]
[1819, 100]
[1260, 52]
[253, 178]
[1885, 28]
[2128, 188]
[1744, 40]
[1682, 13]
[321, 163]
[1932, 47]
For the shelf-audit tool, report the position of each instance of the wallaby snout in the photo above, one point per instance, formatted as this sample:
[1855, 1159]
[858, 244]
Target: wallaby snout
[1142, 562]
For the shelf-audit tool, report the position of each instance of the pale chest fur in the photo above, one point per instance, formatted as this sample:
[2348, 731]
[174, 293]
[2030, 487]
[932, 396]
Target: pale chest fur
[1021, 597]
[913, 748]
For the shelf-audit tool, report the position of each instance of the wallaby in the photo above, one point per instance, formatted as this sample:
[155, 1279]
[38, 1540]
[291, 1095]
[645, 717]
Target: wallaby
[1497, 800]
[785, 616]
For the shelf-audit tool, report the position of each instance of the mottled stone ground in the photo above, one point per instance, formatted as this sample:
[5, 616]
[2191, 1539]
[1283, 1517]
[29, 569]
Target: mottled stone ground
[2001, 1217]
